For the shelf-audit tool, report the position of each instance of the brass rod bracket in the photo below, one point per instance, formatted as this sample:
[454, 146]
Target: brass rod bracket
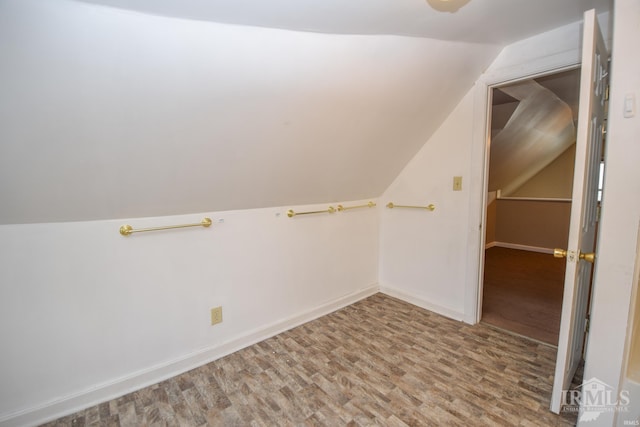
[126, 230]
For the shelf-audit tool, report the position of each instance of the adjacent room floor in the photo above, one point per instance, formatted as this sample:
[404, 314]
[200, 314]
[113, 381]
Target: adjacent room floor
[379, 361]
[523, 292]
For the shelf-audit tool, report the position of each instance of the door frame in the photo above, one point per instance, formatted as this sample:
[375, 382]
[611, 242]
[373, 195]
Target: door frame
[485, 184]
[481, 140]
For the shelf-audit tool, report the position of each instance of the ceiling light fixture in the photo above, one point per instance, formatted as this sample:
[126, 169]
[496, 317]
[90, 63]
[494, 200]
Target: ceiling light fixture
[451, 6]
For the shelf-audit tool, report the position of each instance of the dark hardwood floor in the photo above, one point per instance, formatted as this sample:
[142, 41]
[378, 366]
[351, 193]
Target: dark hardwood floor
[379, 361]
[523, 292]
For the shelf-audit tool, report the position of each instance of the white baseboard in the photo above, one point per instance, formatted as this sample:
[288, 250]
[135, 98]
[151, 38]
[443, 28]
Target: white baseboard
[153, 375]
[422, 303]
[519, 247]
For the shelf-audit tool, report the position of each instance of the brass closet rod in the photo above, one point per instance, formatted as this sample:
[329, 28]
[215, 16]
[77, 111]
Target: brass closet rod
[346, 208]
[431, 207]
[291, 213]
[126, 230]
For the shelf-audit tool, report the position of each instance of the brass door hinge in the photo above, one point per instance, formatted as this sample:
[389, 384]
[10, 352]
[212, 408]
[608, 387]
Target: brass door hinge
[587, 324]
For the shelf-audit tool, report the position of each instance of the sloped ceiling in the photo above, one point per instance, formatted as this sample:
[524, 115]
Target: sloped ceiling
[532, 124]
[107, 114]
[540, 129]
[477, 21]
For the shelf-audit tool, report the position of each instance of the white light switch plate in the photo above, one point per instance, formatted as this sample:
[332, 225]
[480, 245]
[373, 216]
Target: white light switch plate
[629, 105]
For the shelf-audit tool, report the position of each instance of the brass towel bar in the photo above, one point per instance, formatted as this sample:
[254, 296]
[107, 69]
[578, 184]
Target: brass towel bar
[431, 207]
[346, 208]
[291, 213]
[126, 230]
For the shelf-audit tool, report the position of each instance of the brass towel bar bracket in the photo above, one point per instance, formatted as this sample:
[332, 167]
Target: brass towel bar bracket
[430, 207]
[127, 230]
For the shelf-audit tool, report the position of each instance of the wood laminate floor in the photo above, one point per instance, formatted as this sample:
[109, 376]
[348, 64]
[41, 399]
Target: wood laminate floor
[379, 361]
[523, 292]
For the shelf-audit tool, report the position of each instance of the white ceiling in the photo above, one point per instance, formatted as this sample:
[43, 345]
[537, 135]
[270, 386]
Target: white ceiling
[107, 113]
[532, 124]
[480, 21]
[540, 129]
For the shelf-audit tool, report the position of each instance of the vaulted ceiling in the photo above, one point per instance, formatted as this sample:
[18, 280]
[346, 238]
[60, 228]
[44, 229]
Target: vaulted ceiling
[477, 21]
[149, 108]
[538, 131]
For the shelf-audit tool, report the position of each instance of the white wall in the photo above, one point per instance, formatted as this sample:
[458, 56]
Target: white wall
[87, 314]
[421, 252]
[107, 113]
[614, 275]
[432, 258]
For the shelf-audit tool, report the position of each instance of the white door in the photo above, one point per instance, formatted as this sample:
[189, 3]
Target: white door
[582, 230]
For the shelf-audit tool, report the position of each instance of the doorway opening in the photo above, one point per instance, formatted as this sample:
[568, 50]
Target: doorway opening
[529, 189]
[580, 252]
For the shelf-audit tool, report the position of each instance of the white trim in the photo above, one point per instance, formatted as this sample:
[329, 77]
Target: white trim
[72, 403]
[557, 63]
[534, 199]
[477, 205]
[422, 303]
[519, 247]
[631, 373]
